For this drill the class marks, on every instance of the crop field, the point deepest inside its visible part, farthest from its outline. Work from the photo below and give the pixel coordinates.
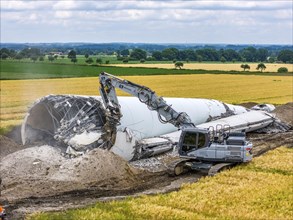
(270, 67)
(263, 189)
(17, 95)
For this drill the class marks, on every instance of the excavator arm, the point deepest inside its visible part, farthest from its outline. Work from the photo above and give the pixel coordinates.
(108, 85)
(166, 113)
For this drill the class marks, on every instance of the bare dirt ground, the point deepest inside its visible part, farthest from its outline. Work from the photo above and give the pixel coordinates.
(38, 178)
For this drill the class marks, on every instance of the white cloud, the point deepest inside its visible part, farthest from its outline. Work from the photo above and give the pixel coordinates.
(161, 18)
(63, 14)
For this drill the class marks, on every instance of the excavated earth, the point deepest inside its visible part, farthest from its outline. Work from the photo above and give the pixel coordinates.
(38, 178)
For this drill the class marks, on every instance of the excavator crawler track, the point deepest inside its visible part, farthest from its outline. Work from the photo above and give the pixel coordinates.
(219, 167)
(177, 167)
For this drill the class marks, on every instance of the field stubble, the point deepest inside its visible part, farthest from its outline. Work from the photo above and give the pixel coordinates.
(16, 95)
(270, 67)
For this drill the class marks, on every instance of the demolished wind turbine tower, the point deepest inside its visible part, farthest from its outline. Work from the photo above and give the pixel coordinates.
(76, 122)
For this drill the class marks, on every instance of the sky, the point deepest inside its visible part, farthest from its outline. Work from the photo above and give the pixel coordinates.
(210, 22)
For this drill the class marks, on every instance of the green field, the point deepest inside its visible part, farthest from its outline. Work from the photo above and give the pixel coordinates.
(39, 70)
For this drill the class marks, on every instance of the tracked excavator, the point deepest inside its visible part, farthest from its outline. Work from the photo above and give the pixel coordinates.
(206, 150)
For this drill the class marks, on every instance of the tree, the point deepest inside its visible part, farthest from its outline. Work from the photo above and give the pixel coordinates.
(230, 55)
(262, 54)
(208, 54)
(18, 56)
(199, 58)
(286, 56)
(234, 60)
(124, 53)
(56, 57)
(73, 60)
(62, 56)
(271, 59)
(190, 54)
(223, 59)
(107, 62)
(29, 52)
(249, 53)
(178, 65)
(170, 53)
(34, 58)
(71, 54)
(5, 52)
(174, 61)
(86, 55)
(50, 58)
(142, 60)
(245, 66)
(4, 56)
(89, 60)
(99, 61)
(157, 55)
(138, 54)
(125, 60)
(282, 70)
(41, 58)
(261, 66)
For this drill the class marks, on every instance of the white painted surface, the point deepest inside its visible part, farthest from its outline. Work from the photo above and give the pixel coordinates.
(138, 122)
(145, 123)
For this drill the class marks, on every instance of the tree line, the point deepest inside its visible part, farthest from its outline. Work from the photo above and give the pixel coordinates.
(248, 54)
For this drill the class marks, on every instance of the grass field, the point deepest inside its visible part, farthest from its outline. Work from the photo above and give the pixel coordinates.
(263, 189)
(17, 95)
(270, 67)
(29, 70)
(42, 70)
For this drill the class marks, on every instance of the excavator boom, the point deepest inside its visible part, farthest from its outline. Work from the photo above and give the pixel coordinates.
(166, 113)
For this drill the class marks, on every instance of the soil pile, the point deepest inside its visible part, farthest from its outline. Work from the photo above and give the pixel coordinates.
(42, 171)
(285, 113)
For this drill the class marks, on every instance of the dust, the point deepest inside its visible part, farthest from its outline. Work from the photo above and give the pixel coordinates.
(8, 146)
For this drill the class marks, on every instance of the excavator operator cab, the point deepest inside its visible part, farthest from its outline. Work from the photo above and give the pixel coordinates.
(192, 139)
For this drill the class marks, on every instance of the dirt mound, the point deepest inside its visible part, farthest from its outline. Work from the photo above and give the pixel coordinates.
(285, 113)
(42, 171)
(248, 104)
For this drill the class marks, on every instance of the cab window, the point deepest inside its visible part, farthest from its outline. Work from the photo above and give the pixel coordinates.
(189, 142)
(201, 140)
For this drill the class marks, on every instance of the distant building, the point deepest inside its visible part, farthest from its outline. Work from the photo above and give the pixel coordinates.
(56, 53)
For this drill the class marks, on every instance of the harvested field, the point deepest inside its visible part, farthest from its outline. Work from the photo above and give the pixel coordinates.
(271, 67)
(17, 95)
